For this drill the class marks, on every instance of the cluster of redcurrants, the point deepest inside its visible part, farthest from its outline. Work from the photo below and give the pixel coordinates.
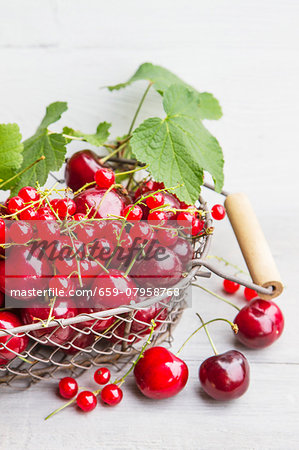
(231, 287)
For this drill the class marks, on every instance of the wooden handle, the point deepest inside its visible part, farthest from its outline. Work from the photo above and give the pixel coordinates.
(253, 244)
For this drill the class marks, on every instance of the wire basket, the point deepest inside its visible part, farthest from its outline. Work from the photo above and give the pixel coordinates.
(95, 344)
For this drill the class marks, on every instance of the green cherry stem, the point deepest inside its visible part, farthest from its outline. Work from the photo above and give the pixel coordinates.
(232, 325)
(217, 296)
(106, 158)
(208, 334)
(131, 171)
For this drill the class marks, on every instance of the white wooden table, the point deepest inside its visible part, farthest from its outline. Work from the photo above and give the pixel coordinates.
(246, 53)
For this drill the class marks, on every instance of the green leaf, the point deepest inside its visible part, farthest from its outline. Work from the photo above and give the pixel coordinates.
(42, 143)
(179, 148)
(99, 138)
(11, 150)
(162, 79)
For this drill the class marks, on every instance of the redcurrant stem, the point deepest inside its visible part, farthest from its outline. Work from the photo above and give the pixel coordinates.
(216, 295)
(22, 171)
(134, 259)
(208, 334)
(61, 408)
(148, 341)
(234, 327)
(139, 107)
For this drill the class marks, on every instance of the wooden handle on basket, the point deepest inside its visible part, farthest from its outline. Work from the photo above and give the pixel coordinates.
(253, 244)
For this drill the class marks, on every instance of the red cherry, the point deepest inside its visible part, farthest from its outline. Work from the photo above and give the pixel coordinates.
(99, 203)
(2, 231)
(184, 250)
(167, 237)
(24, 271)
(80, 343)
(155, 200)
(111, 394)
(132, 212)
(142, 230)
(230, 286)
(86, 401)
(102, 375)
(45, 213)
(61, 285)
(86, 232)
(63, 309)
(29, 194)
(250, 294)
(85, 306)
(159, 217)
(104, 178)
(15, 344)
(68, 387)
(20, 232)
(160, 374)
(147, 187)
(15, 204)
(218, 212)
(123, 289)
(161, 267)
(65, 207)
(260, 323)
(29, 214)
(225, 376)
(2, 299)
(81, 168)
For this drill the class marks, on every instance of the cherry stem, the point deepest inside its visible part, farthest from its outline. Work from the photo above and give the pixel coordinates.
(106, 158)
(208, 334)
(145, 345)
(131, 171)
(22, 171)
(234, 327)
(227, 263)
(217, 296)
(139, 107)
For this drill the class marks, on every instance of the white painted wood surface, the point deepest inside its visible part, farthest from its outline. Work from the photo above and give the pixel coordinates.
(246, 53)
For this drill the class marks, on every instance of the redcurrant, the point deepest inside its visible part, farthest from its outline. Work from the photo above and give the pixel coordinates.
(104, 178)
(29, 194)
(167, 237)
(86, 401)
(29, 214)
(158, 216)
(218, 212)
(102, 375)
(20, 232)
(68, 387)
(15, 204)
(2, 231)
(230, 286)
(155, 201)
(133, 212)
(65, 207)
(111, 394)
(250, 294)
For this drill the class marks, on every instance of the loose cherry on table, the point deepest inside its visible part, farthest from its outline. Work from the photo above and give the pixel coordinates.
(86, 401)
(260, 323)
(111, 394)
(160, 374)
(225, 376)
(68, 387)
(102, 375)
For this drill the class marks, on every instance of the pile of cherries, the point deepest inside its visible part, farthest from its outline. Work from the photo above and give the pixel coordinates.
(95, 210)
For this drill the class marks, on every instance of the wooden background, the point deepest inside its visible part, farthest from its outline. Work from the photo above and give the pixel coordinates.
(246, 53)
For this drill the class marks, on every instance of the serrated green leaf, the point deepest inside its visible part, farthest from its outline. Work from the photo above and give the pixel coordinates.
(179, 148)
(42, 143)
(162, 79)
(11, 150)
(99, 138)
